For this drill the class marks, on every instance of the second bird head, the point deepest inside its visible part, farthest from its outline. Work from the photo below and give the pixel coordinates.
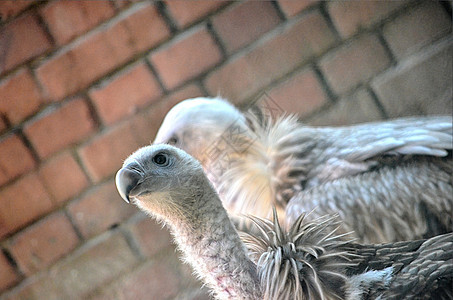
(161, 180)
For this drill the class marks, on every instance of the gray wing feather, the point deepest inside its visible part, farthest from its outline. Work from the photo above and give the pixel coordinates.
(421, 269)
(357, 148)
(388, 204)
(416, 136)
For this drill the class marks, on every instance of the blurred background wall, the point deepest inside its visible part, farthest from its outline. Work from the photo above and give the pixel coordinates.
(85, 83)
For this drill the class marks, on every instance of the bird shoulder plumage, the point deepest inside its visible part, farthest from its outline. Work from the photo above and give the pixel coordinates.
(371, 186)
(318, 154)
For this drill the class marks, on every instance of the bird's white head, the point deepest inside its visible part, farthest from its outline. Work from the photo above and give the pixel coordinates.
(194, 123)
(159, 179)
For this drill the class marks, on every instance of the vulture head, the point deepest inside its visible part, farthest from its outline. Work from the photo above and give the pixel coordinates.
(240, 156)
(194, 124)
(159, 178)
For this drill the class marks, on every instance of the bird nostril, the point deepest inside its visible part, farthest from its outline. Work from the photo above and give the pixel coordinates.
(126, 179)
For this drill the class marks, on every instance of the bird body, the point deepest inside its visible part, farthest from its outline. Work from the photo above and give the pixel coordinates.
(308, 261)
(399, 171)
(410, 201)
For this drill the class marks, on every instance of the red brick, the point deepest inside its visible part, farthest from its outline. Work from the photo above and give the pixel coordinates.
(187, 12)
(146, 26)
(120, 4)
(301, 94)
(3, 126)
(88, 268)
(15, 158)
(19, 96)
(354, 63)
(292, 8)
(417, 28)
(7, 274)
(99, 209)
(22, 202)
(125, 94)
(68, 19)
(63, 177)
(146, 124)
(247, 74)
(60, 128)
(10, 8)
(76, 67)
(152, 280)
(43, 243)
(351, 109)
(21, 40)
(244, 23)
(151, 237)
(350, 17)
(420, 85)
(86, 61)
(104, 154)
(186, 58)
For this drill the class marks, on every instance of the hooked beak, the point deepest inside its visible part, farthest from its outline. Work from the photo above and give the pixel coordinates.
(126, 179)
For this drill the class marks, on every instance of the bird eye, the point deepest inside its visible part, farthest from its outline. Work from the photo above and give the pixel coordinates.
(160, 159)
(172, 141)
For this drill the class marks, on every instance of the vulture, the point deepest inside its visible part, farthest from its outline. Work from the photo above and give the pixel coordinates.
(308, 261)
(388, 181)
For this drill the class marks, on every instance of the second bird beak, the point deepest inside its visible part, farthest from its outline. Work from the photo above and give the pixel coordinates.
(126, 179)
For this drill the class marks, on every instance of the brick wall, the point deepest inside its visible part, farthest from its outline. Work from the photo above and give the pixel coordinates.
(85, 83)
